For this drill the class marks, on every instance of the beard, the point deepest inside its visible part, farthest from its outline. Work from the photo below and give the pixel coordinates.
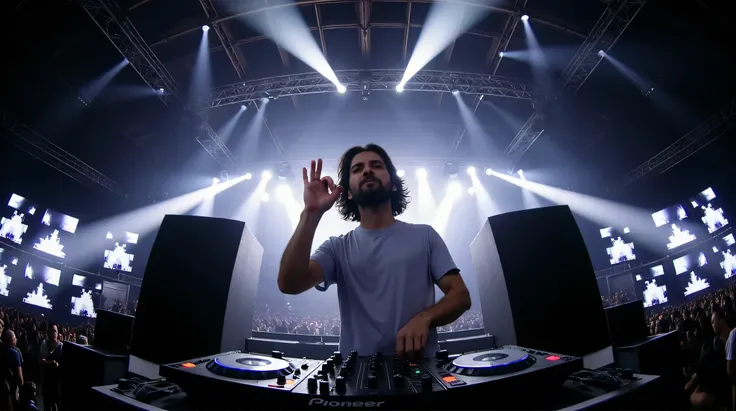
(371, 197)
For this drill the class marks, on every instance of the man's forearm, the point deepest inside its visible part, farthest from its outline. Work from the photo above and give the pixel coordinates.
(295, 261)
(448, 309)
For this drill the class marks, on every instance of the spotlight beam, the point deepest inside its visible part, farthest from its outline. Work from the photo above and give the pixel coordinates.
(236, 58)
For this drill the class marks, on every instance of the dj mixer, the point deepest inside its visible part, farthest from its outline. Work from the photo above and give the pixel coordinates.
(481, 379)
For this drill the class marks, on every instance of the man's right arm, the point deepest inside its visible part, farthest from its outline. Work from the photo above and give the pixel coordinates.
(297, 273)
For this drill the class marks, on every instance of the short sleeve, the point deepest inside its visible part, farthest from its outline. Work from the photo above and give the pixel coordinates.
(731, 345)
(441, 261)
(326, 257)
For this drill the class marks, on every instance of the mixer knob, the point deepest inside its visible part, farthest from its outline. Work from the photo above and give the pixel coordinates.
(325, 376)
(324, 387)
(344, 370)
(305, 366)
(372, 381)
(281, 380)
(312, 384)
(277, 354)
(426, 382)
(330, 364)
(379, 355)
(441, 355)
(338, 356)
(297, 371)
(340, 384)
(354, 353)
(325, 368)
(399, 381)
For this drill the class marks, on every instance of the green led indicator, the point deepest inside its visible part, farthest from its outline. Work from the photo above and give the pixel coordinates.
(417, 372)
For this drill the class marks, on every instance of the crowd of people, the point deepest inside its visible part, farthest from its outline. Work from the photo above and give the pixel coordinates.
(298, 322)
(618, 297)
(30, 359)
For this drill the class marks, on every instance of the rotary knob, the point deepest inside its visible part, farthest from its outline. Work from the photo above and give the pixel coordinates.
(324, 387)
(297, 371)
(340, 384)
(398, 381)
(441, 355)
(305, 366)
(325, 376)
(281, 380)
(372, 381)
(426, 383)
(344, 370)
(277, 354)
(338, 356)
(312, 384)
(325, 368)
(330, 364)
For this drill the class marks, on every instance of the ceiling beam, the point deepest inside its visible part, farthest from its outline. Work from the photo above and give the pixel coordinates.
(535, 18)
(501, 44)
(233, 54)
(364, 20)
(318, 15)
(406, 29)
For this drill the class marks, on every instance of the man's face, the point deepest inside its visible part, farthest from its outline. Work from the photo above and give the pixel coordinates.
(370, 182)
(716, 323)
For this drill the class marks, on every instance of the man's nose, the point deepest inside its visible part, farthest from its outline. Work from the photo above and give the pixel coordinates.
(367, 172)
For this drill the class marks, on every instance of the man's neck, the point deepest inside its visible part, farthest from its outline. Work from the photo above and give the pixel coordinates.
(725, 333)
(377, 218)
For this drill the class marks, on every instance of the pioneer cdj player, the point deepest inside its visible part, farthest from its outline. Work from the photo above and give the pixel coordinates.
(482, 379)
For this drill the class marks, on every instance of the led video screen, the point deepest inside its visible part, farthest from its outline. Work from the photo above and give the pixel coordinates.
(669, 215)
(710, 214)
(619, 251)
(40, 294)
(119, 253)
(691, 274)
(725, 253)
(22, 204)
(679, 236)
(8, 262)
(87, 282)
(13, 227)
(689, 262)
(50, 243)
(59, 221)
(84, 303)
(652, 292)
(46, 274)
(5, 281)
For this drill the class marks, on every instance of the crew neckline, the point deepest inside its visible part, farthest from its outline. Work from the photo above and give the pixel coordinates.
(379, 231)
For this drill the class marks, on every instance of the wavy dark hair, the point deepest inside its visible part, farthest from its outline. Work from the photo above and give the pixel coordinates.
(347, 207)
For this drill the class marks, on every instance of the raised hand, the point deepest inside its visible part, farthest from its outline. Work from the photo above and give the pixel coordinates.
(320, 193)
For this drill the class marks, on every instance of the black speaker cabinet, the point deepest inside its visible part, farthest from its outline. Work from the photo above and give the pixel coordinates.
(536, 282)
(113, 331)
(627, 323)
(84, 367)
(198, 291)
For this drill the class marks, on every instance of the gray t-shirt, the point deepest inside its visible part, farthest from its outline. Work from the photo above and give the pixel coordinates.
(384, 278)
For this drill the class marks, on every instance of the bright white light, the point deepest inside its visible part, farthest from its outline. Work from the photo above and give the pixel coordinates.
(243, 107)
(215, 181)
(266, 176)
(489, 171)
(283, 193)
(205, 28)
(500, 54)
(601, 53)
(454, 189)
(400, 173)
(264, 100)
(525, 18)
(455, 92)
(248, 176)
(471, 190)
(421, 173)
(341, 89)
(161, 90)
(265, 197)
(400, 88)
(471, 170)
(521, 173)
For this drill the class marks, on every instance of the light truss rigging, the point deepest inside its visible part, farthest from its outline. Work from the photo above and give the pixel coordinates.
(375, 80)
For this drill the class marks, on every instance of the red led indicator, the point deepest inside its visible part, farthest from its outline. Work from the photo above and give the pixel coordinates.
(188, 365)
(552, 358)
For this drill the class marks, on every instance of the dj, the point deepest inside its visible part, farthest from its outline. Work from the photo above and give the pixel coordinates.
(385, 270)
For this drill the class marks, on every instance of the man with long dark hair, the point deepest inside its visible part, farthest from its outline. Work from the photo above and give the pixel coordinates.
(385, 270)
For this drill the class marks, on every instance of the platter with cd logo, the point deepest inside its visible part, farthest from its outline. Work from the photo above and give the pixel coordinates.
(250, 366)
(492, 362)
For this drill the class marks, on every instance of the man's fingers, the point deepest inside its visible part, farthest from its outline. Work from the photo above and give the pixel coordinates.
(409, 346)
(418, 345)
(312, 169)
(330, 183)
(400, 345)
(318, 173)
(304, 176)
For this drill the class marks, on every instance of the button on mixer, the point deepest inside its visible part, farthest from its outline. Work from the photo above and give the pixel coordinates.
(277, 354)
(398, 381)
(338, 356)
(281, 380)
(324, 387)
(441, 355)
(340, 384)
(426, 383)
(305, 366)
(372, 381)
(312, 384)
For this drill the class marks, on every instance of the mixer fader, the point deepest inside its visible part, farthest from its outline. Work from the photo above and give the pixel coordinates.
(369, 375)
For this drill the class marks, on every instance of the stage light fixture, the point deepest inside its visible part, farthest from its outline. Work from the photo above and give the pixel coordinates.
(451, 169)
(489, 171)
(455, 92)
(248, 176)
(601, 53)
(521, 173)
(471, 190)
(266, 175)
(215, 181)
(285, 172)
(471, 170)
(400, 173)
(500, 54)
(525, 18)
(205, 28)
(161, 90)
(421, 173)
(265, 197)
(400, 88)
(224, 175)
(341, 89)
(454, 189)
(243, 107)
(264, 100)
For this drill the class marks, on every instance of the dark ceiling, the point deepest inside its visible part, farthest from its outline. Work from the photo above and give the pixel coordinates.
(609, 127)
